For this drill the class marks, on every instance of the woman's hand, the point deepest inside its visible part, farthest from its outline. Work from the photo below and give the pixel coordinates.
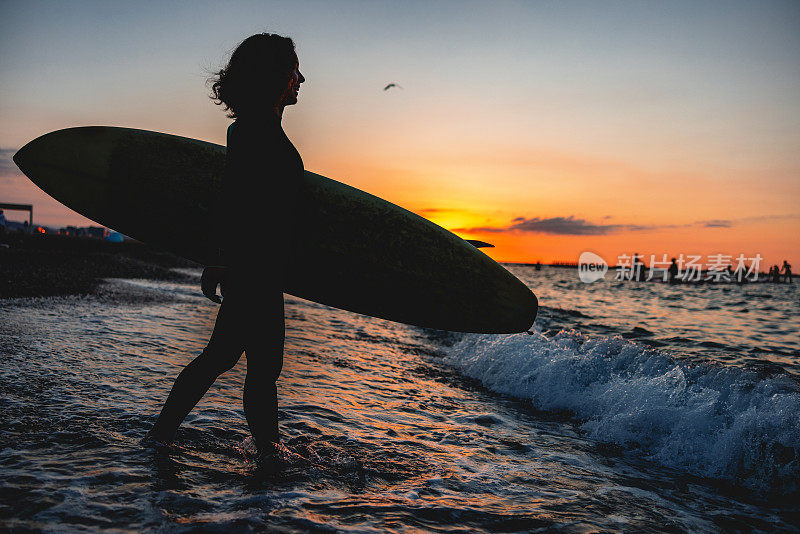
(213, 276)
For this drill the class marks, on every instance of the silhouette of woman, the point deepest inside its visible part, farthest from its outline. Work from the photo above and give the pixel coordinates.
(261, 78)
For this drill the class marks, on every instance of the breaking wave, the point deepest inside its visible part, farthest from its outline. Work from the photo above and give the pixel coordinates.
(709, 420)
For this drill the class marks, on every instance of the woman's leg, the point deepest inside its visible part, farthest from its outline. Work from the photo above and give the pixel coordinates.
(221, 354)
(264, 350)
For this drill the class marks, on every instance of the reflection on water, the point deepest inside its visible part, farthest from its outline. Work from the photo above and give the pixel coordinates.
(752, 324)
(386, 427)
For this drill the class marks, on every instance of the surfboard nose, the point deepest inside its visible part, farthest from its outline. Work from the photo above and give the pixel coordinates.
(23, 156)
(34, 155)
(54, 158)
(37, 152)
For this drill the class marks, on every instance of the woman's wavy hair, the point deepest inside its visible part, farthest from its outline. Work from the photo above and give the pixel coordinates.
(256, 75)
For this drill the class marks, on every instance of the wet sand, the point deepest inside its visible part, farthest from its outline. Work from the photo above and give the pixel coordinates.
(50, 265)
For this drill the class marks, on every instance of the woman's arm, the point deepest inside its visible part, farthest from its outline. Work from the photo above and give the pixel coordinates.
(213, 276)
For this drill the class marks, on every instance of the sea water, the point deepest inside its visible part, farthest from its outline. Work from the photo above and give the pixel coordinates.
(631, 407)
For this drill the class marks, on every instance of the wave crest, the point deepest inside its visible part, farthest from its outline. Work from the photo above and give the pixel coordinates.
(714, 421)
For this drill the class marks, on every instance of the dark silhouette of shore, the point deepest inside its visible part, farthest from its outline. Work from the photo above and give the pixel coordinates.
(37, 265)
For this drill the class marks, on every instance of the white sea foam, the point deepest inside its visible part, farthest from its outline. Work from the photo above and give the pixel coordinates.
(716, 421)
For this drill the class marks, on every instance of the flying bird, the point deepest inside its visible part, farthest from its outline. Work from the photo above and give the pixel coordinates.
(390, 86)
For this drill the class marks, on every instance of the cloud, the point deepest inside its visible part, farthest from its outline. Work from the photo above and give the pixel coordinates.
(716, 223)
(727, 223)
(759, 218)
(571, 225)
(563, 226)
(559, 226)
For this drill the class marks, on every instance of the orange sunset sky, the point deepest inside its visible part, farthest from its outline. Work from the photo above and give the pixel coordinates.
(545, 128)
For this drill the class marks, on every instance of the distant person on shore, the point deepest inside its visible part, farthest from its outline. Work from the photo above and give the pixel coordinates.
(263, 172)
(774, 274)
(2, 223)
(673, 272)
(787, 272)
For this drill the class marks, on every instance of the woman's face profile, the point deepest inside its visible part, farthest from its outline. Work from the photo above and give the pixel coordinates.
(292, 86)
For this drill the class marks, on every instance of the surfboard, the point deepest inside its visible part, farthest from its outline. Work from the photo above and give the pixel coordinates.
(352, 250)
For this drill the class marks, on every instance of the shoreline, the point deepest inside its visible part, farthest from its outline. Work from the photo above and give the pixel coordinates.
(53, 265)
